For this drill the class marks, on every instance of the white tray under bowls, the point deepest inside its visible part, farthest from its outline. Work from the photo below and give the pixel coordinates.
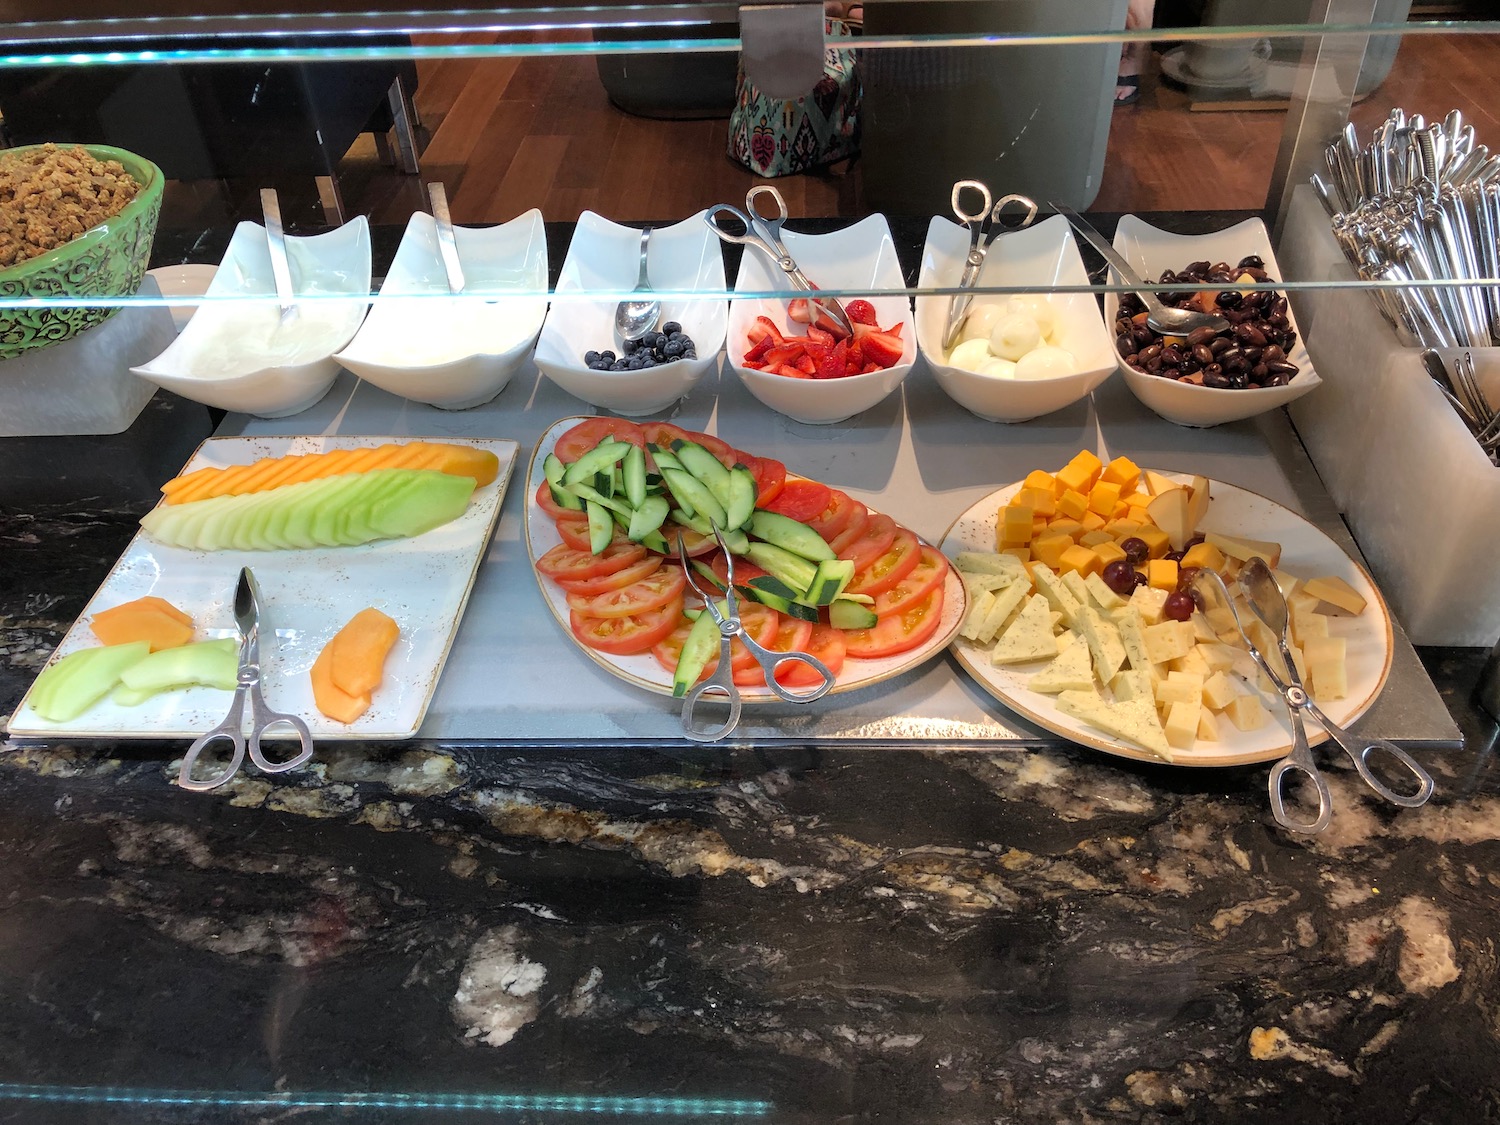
(306, 597)
(1151, 252)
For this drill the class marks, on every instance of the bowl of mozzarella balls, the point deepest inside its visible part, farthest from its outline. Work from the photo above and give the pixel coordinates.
(1022, 352)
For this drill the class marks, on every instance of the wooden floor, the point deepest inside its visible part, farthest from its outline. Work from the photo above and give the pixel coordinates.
(508, 134)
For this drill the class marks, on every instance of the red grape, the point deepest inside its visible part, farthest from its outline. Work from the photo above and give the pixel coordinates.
(1179, 606)
(1136, 551)
(1119, 576)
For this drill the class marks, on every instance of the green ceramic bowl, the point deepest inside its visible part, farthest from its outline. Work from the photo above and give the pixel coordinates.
(108, 260)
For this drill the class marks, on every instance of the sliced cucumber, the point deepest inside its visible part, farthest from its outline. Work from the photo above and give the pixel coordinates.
(705, 466)
(698, 648)
(633, 476)
(664, 458)
(703, 570)
(691, 492)
(601, 526)
(600, 459)
(790, 535)
(773, 592)
(594, 496)
(845, 613)
(829, 582)
(739, 505)
(553, 469)
(649, 515)
(792, 569)
(656, 541)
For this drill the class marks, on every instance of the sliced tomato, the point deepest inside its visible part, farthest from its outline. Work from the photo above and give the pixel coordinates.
(930, 571)
(545, 502)
(801, 500)
(662, 433)
(617, 580)
(590, 432)
(668, 650)
(835, 517)
(889, 568)
(859, 519)
(626, 636)
(828, 645)
(900, 631)
(761, 622)
(664, 584)
(744, 569)
(563, 563)
(792, 636)
(574, 529)
(872, 542)
(694, 542)
(770, 479)
(726, 453)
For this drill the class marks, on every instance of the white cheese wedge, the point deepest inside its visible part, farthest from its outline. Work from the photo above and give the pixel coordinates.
(1104, 642)
(1181, 727)
(980, 605)
(1104, 597)
(1058, 595)
(1006, 602)
(1132, 637)
(1029, 637)
(988, 562)
(1075, 585)
(1073, 670)
(1135, 721)
(1150, 602)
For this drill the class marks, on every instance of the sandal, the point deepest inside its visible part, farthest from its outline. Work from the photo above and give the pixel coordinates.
(1127, 89)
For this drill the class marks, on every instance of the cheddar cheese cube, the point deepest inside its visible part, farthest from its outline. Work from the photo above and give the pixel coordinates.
(1080, 473)
(1108, 550)
(1073, 504)
(1094, 538)
(1040, 478)
(1081, 560)
(1049, 548)
(1064, 525)
(1157, 541)
(1092, 521)
(1161, 574)
(1103, 497)
(1123, 472)
(1204, 554)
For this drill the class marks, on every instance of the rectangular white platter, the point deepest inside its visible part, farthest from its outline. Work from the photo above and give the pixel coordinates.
(306, 597)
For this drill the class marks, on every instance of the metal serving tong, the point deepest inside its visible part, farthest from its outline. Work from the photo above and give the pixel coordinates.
(721, 684)
(985, 225)
(232, 729)
(1266, 602)
(765, 235)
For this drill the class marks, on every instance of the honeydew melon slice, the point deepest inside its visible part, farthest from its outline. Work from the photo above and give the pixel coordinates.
(69, 687)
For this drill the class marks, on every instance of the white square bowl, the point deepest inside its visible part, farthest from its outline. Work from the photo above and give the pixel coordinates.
(240, 354)
(860, 258)
(1037, 259)
(455, 352)
(1151, 252)
(686, 268)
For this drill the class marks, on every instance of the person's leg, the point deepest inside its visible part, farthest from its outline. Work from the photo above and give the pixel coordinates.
(1128, 86)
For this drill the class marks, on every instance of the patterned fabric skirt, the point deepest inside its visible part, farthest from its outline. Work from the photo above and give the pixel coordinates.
(772, 137)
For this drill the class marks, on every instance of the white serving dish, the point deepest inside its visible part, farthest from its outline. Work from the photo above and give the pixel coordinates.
(307, 596)
(1037, 259)
(240, 354)
(455, 352)
(1152, 251)
(1306, 552)
(191, 280)
(858, 258)
(643, 670)
(686, 268)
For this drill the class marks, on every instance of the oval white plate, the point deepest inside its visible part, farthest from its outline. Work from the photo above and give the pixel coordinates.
(1305, 552)
(643, 671)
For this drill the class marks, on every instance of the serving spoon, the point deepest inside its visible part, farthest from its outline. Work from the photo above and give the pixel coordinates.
(1160, 317)
(636, 316)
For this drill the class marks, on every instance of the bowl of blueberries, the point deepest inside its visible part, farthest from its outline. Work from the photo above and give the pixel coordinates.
(579, 349)
(1209, 378)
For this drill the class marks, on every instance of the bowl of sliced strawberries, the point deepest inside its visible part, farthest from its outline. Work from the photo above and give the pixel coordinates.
(801, 363)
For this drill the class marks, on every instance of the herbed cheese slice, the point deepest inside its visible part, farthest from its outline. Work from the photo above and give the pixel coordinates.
(1060, 597)
(1132, 637)
(1073, 670)
(1103, 596)
(1005, 604)
(976, 584)
(1073, 581)
(1029, 636)
(988, 562)
(1104, 643)
(1135, 721)
(980, 604)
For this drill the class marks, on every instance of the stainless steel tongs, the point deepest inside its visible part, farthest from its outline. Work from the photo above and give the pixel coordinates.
(721, 683)
(985, 225)
(1266, 602)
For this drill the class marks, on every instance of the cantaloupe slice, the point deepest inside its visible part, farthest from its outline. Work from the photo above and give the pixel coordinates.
(359, 650)
(151, 619)
(338, 705)
(273, 472)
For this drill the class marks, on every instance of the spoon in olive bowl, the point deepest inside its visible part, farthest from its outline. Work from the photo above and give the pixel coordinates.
(639, 313)
(1160, 317)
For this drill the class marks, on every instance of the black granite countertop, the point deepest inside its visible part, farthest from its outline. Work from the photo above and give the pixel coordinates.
(471, 933)
(457, 932)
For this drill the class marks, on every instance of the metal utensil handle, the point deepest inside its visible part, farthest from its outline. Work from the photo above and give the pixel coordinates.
(720, 684)
(447, 240)
(1300, 760)
(1360, 751)
(1108, 253)
(281, 269)
(751, 237)
(233, 729)
(771, 662)
(262, 719)
(997, 224)
(643, 278)
(974, 220)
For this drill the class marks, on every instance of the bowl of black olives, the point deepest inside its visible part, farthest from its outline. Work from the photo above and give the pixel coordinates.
(1208, 377)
